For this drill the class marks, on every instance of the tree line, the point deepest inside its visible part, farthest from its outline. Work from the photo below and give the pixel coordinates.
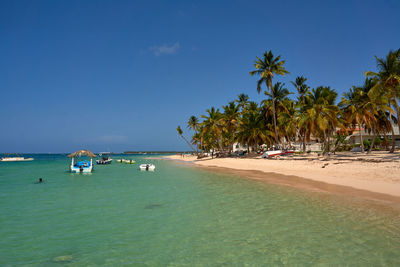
(280, 120)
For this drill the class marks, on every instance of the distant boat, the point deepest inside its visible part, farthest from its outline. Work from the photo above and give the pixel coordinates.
(83, 166)
(104, 160)
(9, 159)
(127, 161)
(147, 167)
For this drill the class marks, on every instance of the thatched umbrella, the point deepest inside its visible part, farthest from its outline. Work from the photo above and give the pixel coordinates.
(80, 153)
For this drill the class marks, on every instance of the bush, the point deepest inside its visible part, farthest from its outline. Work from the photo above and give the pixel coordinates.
(367, 143)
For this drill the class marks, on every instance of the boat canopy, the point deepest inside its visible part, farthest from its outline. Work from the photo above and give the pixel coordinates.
(80, 153)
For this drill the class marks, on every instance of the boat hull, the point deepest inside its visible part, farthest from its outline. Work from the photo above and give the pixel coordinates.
(75, 169)
(274, 153)
(15, 159)
(147, 167)
(103, 162)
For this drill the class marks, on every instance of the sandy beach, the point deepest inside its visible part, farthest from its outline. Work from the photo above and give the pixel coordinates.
(377, 172)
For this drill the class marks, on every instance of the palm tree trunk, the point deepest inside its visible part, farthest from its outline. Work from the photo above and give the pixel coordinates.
(329, 143)
(274, 115)
(324, 150)
(233, 143)
(361, 138)
(393, 138)
(189, 144)
(304, 142)
(197, 144)
(398, 116)
(386, 143)
(289, 143)
(373, 141)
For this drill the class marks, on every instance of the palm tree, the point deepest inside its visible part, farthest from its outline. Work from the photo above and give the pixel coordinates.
(382, 125)
(252, 132)
(212, 125)
(287, 120)
(180, 132)
(267, 68)
(275, 99)
(388, 83)
(242, 100)
(193, 124)
(389, 70)
(301, 87)
(230, 120)
(363, 108)
(251, 107)
(321, 115)
(302, 90)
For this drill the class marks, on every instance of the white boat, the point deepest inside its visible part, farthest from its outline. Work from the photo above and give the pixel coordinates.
(104, 160)
(8, 159)
(273, 153)
(147, 167)
(83, 166)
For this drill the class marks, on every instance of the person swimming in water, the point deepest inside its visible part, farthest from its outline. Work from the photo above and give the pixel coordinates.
(40, 181)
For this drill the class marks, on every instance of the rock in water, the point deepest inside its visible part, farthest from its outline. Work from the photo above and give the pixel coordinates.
(64, 258)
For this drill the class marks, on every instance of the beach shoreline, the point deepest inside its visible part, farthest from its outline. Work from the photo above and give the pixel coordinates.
(376, 177)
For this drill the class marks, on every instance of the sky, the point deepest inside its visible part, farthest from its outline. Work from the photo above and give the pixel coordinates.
(122, 75)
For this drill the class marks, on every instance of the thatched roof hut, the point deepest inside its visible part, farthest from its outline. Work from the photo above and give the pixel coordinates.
(81, 153)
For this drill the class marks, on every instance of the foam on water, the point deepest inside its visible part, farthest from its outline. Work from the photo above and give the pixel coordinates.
(179, 215)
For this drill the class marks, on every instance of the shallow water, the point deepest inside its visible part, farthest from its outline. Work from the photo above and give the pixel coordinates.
(179, 215)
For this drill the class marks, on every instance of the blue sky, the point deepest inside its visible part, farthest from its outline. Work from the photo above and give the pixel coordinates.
(121, 75)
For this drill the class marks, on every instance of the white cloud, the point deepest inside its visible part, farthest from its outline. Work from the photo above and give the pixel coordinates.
(165, 49)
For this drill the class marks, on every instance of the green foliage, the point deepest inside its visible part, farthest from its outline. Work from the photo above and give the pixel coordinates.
(179, 130)
(366, 143)
(313, 114)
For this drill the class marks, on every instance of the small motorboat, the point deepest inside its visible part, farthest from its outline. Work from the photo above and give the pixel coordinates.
(104, 160)
(147, 167)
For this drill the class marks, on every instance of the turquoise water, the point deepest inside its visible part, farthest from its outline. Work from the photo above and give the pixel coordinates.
(180, 216)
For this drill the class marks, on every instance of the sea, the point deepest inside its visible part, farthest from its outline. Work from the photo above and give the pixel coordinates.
(181, 215)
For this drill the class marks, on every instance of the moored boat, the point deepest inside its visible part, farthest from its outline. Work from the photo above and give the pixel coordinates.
(104, 160)
(147, 167)
(82, 166)
(273, 153)
(10, 159)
